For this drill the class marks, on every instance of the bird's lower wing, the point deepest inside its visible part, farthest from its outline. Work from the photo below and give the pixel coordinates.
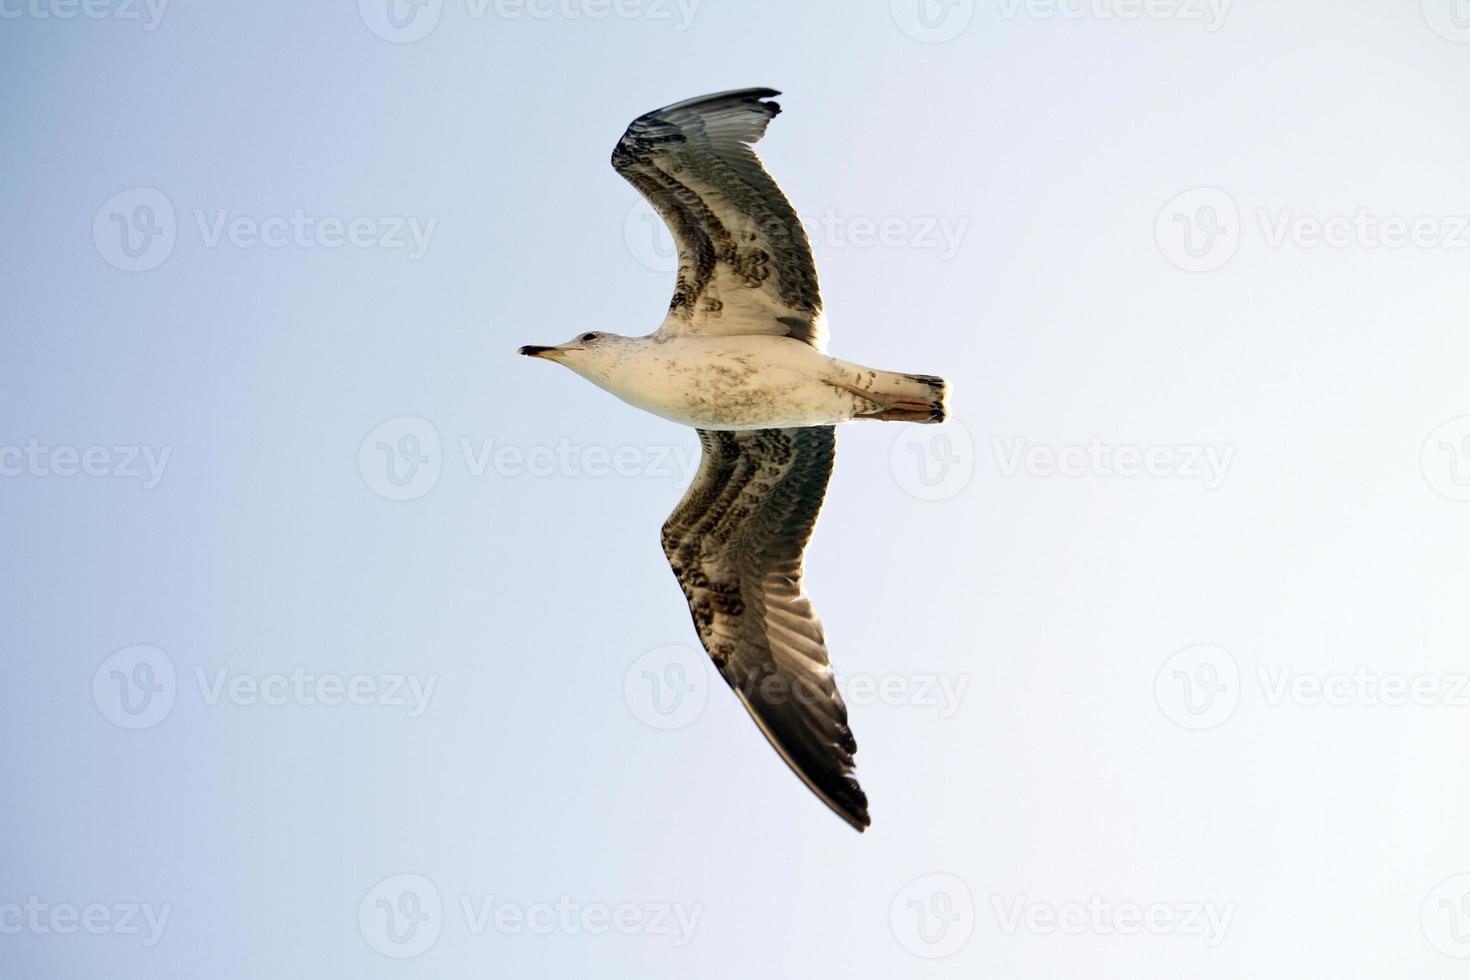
(735, 543)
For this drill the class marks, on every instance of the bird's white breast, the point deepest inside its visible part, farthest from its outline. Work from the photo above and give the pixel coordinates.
(745, 382)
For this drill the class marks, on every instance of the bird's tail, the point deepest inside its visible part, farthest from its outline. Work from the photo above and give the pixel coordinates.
(907, 398)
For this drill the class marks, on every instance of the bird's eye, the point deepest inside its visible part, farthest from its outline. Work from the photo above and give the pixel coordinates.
(588, 338)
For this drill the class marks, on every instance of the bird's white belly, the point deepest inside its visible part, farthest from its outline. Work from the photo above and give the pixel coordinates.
(736, 383)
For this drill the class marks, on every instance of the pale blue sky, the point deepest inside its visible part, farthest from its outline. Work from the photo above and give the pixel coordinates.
(1192, 446)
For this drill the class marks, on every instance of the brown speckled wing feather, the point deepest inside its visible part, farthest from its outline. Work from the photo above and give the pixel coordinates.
(735, 543)
(745, 266)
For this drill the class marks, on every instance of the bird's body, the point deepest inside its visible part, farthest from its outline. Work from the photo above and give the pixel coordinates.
(761, 382)
(742, 357)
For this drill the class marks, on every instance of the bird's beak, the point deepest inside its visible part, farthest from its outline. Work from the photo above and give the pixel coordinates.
(549, 353)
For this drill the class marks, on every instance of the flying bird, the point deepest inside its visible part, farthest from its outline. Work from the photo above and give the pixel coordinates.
(742, 357)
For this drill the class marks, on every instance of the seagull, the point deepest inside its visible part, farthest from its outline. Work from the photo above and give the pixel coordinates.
(742, 357)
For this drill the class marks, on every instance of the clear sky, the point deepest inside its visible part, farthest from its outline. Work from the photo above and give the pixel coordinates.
(337, 639)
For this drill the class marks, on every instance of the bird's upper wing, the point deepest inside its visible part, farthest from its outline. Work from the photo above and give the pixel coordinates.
(735, 544)
(745, 266)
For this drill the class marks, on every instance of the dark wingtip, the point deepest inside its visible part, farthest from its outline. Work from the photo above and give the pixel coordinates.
(855, 811)
(761, 94)
(751, 95)
(847, 799)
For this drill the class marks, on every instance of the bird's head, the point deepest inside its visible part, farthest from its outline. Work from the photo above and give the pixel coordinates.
(591, 354)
